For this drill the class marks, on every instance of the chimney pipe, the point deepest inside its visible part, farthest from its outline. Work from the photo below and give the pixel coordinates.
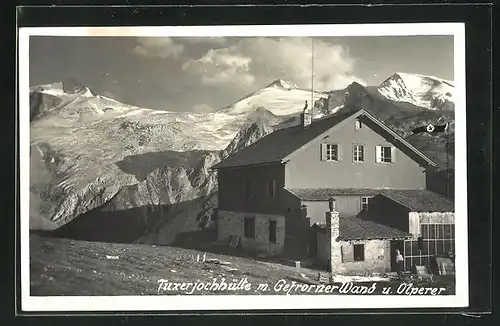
(305, 117)
(333, 231)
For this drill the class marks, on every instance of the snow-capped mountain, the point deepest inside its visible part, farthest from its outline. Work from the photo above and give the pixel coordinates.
(280, 97)
(426, 91)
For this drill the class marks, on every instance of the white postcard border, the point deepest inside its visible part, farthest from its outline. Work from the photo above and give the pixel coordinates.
(250, 302)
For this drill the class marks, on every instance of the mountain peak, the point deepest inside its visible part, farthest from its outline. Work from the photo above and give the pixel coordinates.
(421, 90)
(72, 86)
(280, 83)
(66, 87)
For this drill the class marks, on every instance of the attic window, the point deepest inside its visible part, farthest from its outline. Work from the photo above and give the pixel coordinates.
(364, 203)
(358, 124)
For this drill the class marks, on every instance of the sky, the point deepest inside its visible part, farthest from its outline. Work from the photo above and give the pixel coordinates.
(202, 74)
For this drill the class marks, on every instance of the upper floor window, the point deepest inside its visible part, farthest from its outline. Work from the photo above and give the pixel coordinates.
(358, 152)
(330, 152)
(385, 154)
(272, 188)
(248, 189)
(358, 124)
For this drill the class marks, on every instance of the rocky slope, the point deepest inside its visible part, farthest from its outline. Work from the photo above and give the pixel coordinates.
(92, 154)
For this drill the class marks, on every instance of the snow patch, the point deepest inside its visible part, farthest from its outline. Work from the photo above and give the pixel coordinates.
(278, 101)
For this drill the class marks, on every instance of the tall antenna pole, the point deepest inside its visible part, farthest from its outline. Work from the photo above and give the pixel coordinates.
(312, 76)
(447, 161)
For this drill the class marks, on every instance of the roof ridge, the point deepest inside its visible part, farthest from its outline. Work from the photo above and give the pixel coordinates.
(282, 144)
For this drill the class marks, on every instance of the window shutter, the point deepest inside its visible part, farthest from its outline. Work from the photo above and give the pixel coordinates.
(323, 152)
(347, 253)
(353, 152)
(378, 154)
(339, 152)
(393, 154)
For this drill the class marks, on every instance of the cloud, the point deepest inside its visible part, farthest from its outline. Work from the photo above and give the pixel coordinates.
(214, 40)
(201, 108)
(161, 47)
(256, 61)
(221, 66)
(333, 65)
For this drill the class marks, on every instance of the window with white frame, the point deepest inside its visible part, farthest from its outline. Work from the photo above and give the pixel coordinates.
(385, 154)
(358, 152)
(358, 124)
(332, 152)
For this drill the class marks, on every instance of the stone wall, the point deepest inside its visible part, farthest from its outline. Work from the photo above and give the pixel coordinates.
(417, 218)
(377, 258)
(232, 223)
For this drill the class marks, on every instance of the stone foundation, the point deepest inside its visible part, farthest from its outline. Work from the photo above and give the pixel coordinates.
(232, 223)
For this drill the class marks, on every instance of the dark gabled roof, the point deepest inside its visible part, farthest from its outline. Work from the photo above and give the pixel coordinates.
(323, 194)
(278, 145)
(419, 200)
(355, 228)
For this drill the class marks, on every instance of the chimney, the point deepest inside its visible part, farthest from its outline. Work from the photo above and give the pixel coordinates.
(332, 222)
(332, 219)
(332, 226)
(306, 116)
(303, 210)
